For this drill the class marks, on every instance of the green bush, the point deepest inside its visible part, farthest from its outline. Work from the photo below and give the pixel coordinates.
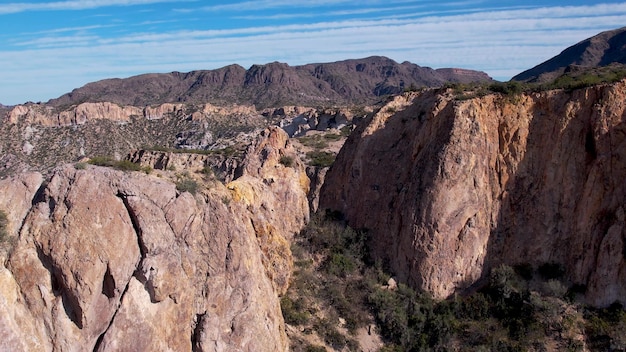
(294, 312)
(124, 165)
(332, 137)
(287, 161)
(321, 159)
(315, 141)
(187, 185)
(312, 348)
(509, 88)
(3, 226)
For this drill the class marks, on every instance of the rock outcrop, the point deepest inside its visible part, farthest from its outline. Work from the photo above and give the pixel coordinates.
(450, 188)
(105, 260)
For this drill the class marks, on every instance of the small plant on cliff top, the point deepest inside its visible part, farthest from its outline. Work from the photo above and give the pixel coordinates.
(124, 165)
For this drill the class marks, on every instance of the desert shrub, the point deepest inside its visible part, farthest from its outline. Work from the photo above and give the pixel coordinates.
(503, 281)
(332, 137)
(3, 226)
(554, 288)
(327, 330)
(80, 166)
(508, 88)
(315, 141)
(287, 161)
(124, 165)
(340, 265)
(187, 185)
(605, 328)
(312, 348)
(294, 312)
(346, 130)
(321, 159)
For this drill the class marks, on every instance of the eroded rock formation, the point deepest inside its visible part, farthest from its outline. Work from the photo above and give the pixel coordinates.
(105, 260)
(450, 188)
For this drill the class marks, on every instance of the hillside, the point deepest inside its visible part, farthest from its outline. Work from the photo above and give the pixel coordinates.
(600, 50)
(361, 81)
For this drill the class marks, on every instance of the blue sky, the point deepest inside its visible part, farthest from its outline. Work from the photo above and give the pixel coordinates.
(50, 47)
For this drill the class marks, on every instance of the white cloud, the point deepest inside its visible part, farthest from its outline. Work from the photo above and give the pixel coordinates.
(74, 5)
(502, 43)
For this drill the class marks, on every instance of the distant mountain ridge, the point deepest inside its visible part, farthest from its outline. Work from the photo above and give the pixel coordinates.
(274, 84)
(603, 49)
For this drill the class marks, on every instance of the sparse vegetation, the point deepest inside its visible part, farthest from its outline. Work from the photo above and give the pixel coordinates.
(124, 165)
(186, 184)
(315, 141)
(337, 285)
(226, 151)
(320, 158)
(3, 227)
(512, 89)
(287, 161)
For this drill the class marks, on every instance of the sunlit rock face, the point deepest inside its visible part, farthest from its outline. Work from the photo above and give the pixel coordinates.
(105, 260)
(451, 187)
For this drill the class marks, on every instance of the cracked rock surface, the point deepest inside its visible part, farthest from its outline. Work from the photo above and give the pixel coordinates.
(450, 188)
(104, 260)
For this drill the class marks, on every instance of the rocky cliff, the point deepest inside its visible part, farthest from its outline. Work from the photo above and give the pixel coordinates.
(105, 260)
(452, 187)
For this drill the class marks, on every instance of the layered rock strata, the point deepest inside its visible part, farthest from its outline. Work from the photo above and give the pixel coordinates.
(451, 187)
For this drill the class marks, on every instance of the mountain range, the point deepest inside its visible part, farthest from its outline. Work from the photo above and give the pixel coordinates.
(603, 49)
(359, 81)
(500, 204)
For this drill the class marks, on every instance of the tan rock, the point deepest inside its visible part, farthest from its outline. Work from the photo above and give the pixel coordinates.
(451, 188)
(114, 261)
(161, 111)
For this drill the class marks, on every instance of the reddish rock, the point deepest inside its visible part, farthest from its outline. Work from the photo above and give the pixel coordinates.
(451, 188)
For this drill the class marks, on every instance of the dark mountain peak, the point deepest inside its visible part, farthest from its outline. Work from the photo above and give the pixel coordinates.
(600, 50)
(273, 84)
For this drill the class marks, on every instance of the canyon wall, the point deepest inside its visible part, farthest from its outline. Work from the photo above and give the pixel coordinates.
(104, 260)
(450, 186)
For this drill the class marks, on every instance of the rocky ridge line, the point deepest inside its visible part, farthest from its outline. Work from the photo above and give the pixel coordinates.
(342, 83)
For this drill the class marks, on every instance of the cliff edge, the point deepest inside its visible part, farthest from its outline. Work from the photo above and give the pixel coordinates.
(104, 260)
(450, 188)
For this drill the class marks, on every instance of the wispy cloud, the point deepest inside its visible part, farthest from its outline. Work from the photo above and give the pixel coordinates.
(274, 4)
(502, 42)
(75, 5)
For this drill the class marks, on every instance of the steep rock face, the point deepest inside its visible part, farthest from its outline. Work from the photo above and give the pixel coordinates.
(111, 261)
(225, 168)
(450, 189)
